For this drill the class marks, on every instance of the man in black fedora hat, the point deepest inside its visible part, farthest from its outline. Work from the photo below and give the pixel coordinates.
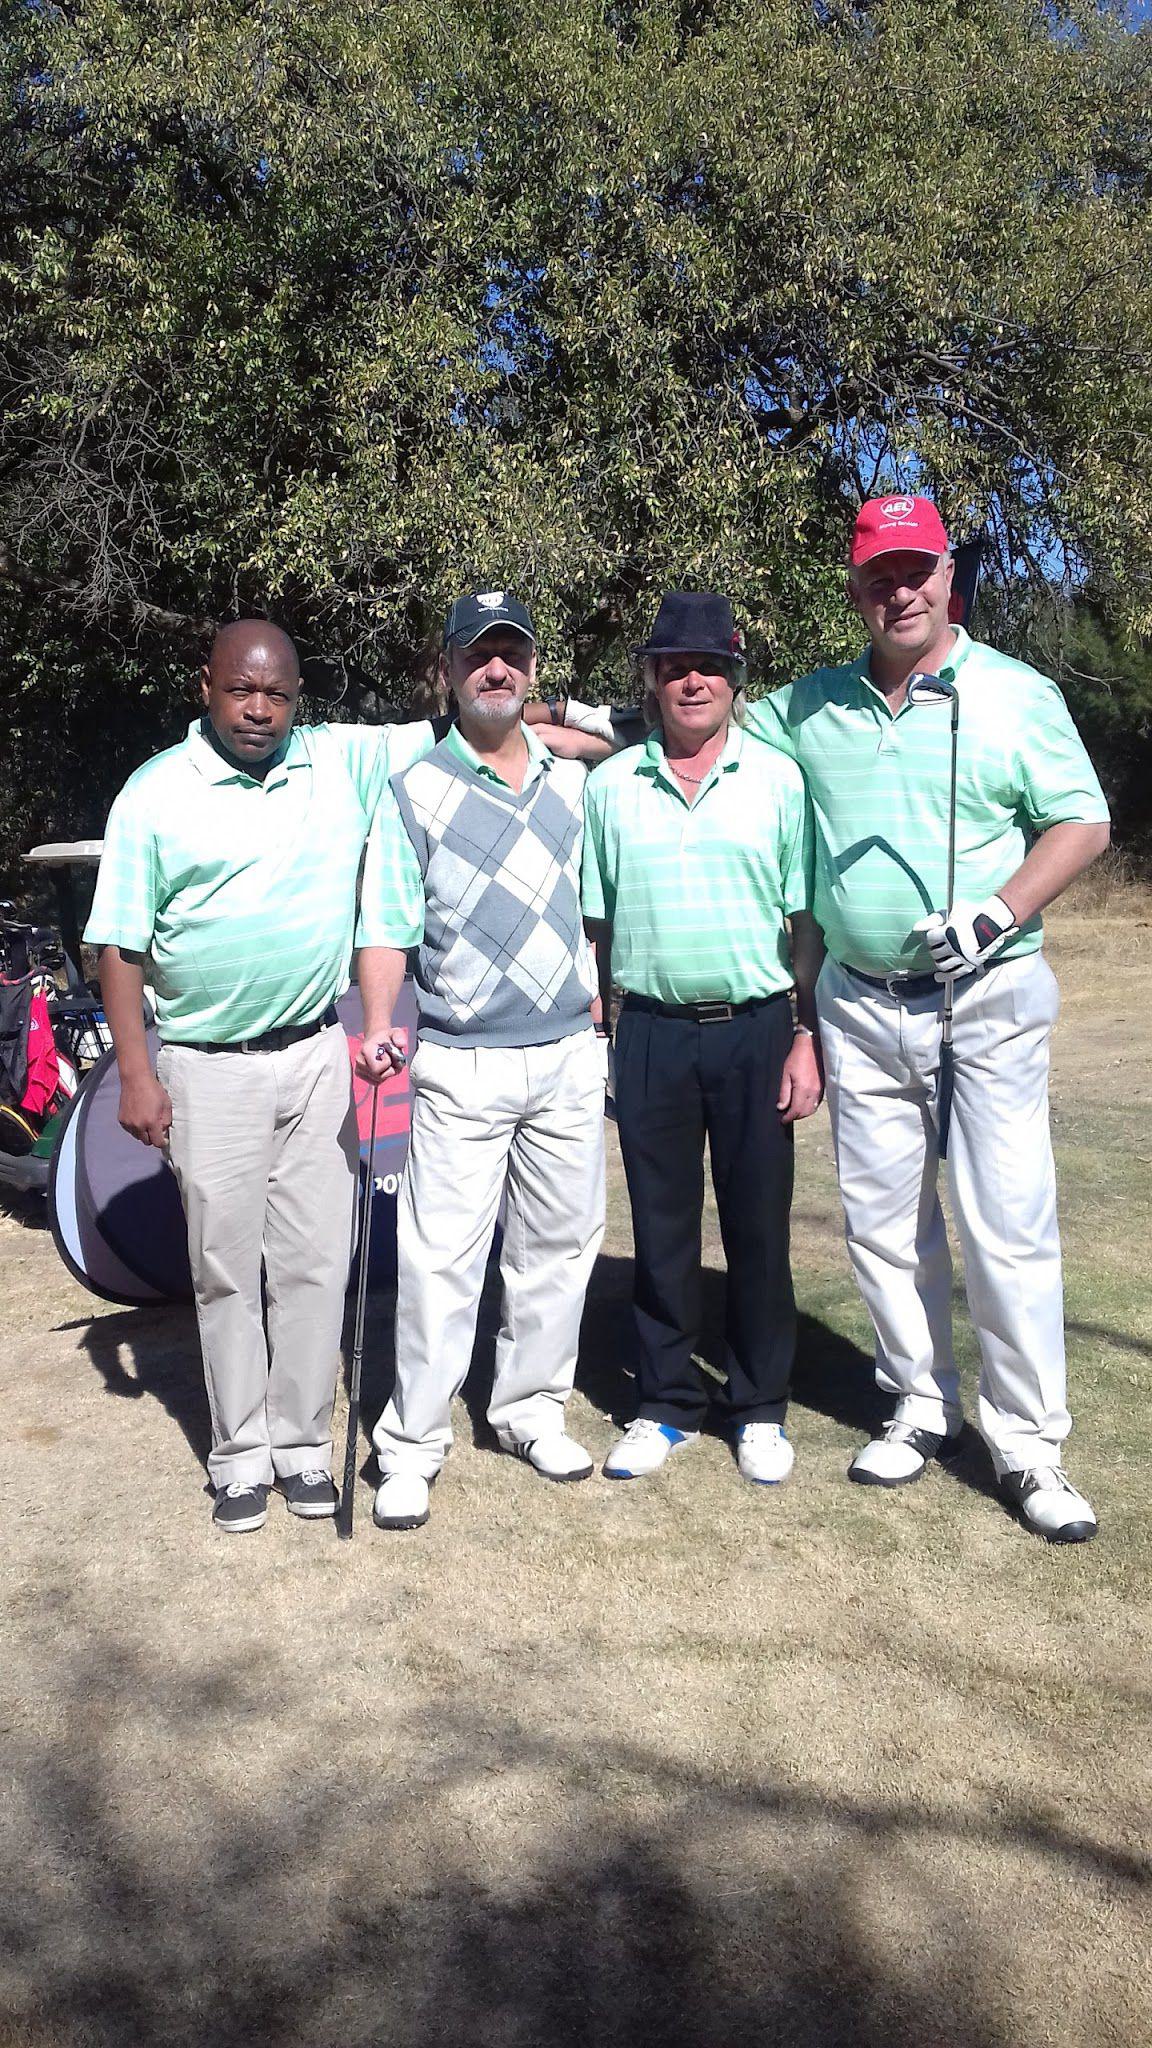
(697, 855)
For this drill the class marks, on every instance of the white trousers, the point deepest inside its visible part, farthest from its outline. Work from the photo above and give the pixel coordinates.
(528, 1122)
(882, 1057)
(265, 1152)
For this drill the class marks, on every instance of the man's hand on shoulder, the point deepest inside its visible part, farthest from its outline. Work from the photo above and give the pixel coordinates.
(146, 1110)
(802, 1082)
(961, 939)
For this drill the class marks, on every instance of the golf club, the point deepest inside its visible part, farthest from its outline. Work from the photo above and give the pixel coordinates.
(344, 1513)
(928, 689)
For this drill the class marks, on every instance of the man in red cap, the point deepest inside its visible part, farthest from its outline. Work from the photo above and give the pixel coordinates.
(1029, 815)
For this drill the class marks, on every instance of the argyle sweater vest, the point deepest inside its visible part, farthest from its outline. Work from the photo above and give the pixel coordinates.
(504, 960)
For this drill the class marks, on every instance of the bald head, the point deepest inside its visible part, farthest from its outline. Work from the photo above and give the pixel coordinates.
(250, 685)
(244, 638)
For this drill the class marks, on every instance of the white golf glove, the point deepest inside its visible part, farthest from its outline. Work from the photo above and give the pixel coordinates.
(961, 939)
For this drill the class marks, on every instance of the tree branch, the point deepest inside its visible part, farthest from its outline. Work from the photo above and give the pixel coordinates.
(74, 595)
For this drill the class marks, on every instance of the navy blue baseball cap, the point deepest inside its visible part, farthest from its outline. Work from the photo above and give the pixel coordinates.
(471, 616)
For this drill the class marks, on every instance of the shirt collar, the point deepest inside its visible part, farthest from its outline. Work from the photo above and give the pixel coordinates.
(961, 648)
(205, 756)
(539, 758)
(653, 760)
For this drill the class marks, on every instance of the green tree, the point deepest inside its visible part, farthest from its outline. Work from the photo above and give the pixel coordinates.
(332, 311)
(1106, 677)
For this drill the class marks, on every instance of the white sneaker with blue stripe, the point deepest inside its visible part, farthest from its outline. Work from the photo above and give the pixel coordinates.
(644, 1447)
(763, 1453)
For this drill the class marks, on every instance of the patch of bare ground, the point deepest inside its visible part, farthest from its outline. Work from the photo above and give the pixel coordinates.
(678, 1763)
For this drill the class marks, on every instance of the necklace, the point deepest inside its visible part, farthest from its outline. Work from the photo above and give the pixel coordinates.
(682, 774)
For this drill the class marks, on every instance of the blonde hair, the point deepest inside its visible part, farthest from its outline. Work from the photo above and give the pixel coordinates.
(736, 672)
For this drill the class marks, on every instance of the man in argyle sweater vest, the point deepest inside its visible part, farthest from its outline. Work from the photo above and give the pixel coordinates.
(475, 862)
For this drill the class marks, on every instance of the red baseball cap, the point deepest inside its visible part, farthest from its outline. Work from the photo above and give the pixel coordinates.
(886, 525)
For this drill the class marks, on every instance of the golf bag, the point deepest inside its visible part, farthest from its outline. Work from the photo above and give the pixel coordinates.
(30, 1077)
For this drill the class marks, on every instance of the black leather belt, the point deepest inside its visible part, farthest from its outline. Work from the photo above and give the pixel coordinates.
(703, 1013)
(899, 985)
(896, 984)
(271, 1041)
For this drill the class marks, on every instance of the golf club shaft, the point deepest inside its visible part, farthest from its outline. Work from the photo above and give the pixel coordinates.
(347, 1491)
(944, 1094)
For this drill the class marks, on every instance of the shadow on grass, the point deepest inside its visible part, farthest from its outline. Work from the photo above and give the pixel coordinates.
(23, 1207)
(691, 1907)
(155, 1351)
(1122, 1339)
(833, 1376)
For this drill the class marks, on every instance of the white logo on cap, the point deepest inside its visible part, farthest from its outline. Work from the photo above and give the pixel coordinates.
(898, 508)
(490, 600)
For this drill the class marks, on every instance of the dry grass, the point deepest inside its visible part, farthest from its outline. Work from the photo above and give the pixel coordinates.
(1116, 885)
(684, 1763)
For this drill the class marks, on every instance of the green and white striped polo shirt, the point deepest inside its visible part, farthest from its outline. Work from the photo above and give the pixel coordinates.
(697, 894)
(879, 788)
(243, 891)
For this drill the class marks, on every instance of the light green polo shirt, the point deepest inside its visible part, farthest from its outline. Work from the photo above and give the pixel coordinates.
(243, 891)
(392, 900)
(697, 894)
(879, 789)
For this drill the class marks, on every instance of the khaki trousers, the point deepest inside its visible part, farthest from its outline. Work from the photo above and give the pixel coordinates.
(882, 1058)
(526, 1123)
(265, 1152)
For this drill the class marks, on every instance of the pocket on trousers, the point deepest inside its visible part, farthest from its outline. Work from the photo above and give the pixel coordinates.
(1034, 993)
(600, 1048)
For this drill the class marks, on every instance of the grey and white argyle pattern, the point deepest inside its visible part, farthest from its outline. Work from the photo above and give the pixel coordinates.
(504, 960)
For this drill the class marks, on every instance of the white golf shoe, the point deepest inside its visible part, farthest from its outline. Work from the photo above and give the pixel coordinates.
(1050, 1504)
(401, 1502)
(643, 1448)
(554, 1455)
(763, 1453)
(898, 1455)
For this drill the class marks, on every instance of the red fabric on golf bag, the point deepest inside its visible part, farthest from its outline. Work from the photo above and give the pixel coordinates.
(43, 1084)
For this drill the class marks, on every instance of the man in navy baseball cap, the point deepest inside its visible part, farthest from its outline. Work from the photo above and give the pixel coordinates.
(472, 616)
(476, 865)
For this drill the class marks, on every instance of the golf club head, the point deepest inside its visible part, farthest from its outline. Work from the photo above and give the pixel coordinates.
(929, 689)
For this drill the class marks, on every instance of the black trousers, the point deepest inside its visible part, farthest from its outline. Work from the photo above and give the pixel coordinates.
(678, 1082)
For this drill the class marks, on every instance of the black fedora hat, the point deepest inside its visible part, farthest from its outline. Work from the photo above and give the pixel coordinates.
(695, 622)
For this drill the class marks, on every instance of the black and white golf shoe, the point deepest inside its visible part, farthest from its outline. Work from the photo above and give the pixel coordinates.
(899, 1454)
(1046, 1500)
(239, 1508)
(310, 1494)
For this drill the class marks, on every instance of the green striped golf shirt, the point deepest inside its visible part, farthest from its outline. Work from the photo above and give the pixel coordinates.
(697, 894)
(243, 891)
(879, 788)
